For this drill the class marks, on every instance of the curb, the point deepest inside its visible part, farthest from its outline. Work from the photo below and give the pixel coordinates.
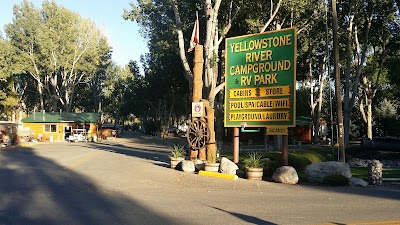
(218, 175)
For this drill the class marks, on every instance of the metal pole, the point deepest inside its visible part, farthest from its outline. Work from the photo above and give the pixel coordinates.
(236, 145)
(285, 157)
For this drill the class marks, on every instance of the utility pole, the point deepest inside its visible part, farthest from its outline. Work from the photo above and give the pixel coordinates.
(337, 83)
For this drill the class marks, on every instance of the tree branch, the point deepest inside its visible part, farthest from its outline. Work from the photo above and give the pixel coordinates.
(182, 53)
(272, 17)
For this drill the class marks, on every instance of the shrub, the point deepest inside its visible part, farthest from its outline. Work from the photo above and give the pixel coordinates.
(270, 167)
(299, 162)
(254, 160)
(336, 180)
(177, 151)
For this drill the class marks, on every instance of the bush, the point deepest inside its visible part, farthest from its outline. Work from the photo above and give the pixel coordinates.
(299, 162)
(336, 180)
(254, 160)
(270, 167)
(177, 151)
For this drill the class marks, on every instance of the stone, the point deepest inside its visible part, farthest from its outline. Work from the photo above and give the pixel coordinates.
(356, 162)
(188, 166)
(285, 175)
(358, 182)
(199, 164)
(227, 166)
(316, 172)
(375, 172)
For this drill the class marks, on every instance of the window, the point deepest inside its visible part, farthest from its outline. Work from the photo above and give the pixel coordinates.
(50, 128)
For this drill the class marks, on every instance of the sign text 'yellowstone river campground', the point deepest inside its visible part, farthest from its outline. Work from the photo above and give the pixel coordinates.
(260, 76)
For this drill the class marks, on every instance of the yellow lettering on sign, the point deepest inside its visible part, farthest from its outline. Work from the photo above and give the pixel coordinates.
(259, 56)
(263, 43)
(277, 130)
(242, 93)
(266, 116)
(259, 92)
(276, 91)
(262, 67)
(265, 79)
(259, 104)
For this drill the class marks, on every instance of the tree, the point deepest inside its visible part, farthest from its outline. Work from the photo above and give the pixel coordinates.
(364, 21)
(52, 44)
(97, 66)
(387, 118)
(8, 97)
(164, 94)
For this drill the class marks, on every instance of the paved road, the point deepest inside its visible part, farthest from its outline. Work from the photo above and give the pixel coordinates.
(127, 181)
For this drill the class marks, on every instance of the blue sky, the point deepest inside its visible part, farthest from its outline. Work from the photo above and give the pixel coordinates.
(122, 35)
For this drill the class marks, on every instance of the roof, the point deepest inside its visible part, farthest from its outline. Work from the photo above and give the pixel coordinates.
(40, 117)
(303, 120)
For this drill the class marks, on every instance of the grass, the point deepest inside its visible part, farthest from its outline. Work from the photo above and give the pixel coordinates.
(362, 172)
(299, 160)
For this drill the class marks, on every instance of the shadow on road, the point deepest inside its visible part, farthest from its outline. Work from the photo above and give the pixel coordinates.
(149, 154)
(35, 190)
(154, 148)
(246, 218)
(138, 145)
(386, 191)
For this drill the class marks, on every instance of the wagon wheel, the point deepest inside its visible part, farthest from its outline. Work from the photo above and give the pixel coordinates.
(198, 134)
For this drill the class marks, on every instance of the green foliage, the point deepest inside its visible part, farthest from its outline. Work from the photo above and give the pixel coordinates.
(386, 109)
(254, 160)
(336, 180)
(300, 160)
(57, 48)
(271, 166)
(360, 172)
(177, 151)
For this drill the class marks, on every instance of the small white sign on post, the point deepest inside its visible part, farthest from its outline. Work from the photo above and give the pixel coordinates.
(197, 109)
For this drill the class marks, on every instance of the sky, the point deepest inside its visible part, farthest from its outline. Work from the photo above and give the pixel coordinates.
(122, 35)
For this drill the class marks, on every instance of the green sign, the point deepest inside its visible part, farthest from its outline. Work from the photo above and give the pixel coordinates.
(260, 78)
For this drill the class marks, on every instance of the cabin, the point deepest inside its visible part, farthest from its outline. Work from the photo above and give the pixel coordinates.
(302, 131)
(45, 126)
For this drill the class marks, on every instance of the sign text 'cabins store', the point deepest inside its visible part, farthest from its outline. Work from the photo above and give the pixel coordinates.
(260, 76)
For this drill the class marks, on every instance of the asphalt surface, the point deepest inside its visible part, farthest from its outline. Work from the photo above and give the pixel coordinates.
(127, 181)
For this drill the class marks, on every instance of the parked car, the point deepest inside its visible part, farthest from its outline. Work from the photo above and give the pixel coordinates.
(78, 135)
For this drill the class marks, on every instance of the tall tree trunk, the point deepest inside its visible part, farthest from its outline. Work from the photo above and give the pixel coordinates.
(320, 94)
(337, 82)
(359, 61)
(346, 93)
(313, 103)
(54, 106)
(211, 46)
(369, 118)
(40, 89)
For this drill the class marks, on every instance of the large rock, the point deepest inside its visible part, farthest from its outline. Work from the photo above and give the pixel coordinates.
(227, 166)
(316, 172)
(285, 175)
(199, 164)
(358, 182)
(188, 166)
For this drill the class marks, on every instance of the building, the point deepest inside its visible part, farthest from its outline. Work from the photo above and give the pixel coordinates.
(45, 126)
